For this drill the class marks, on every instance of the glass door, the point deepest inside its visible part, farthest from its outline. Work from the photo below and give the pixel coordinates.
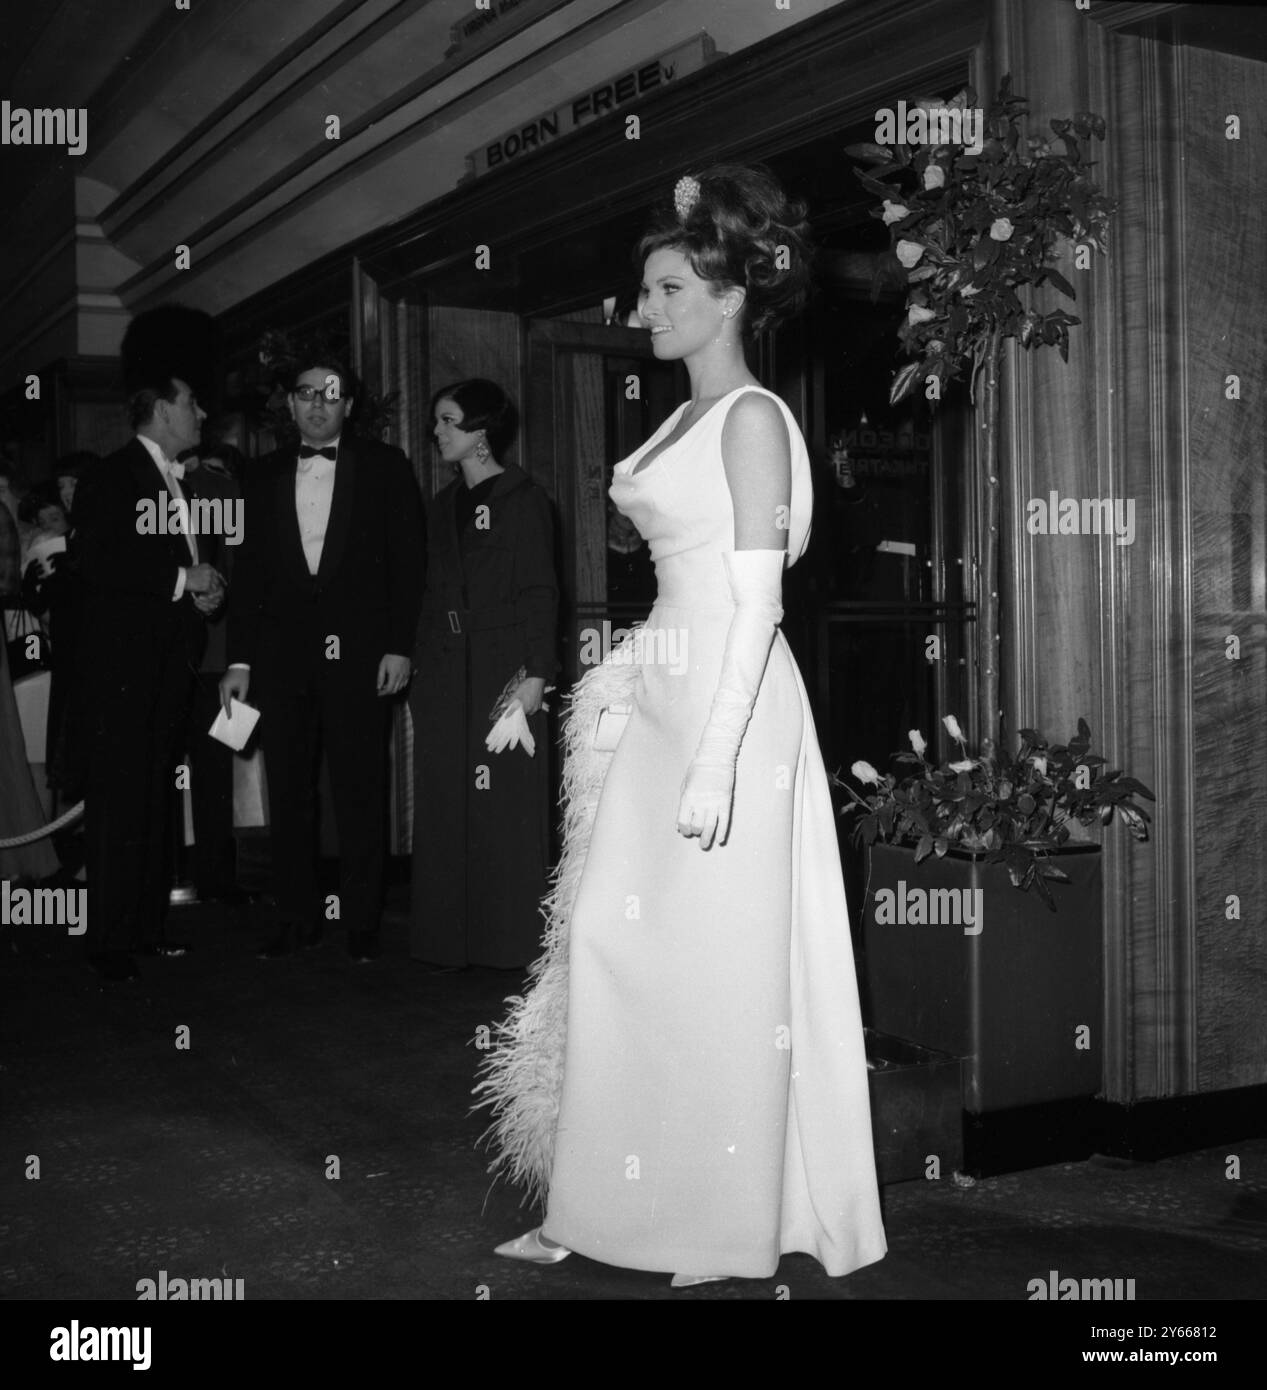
(594, 394)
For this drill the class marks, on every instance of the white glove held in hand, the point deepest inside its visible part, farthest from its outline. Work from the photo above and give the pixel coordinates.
(510, 731)
(756, 584)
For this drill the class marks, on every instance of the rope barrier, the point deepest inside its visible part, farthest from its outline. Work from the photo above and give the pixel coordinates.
(31, 836)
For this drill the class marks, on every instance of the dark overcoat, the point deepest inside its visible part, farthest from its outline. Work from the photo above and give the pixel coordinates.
(481, 819)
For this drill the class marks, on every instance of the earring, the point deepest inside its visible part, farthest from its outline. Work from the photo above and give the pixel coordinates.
(481, 450)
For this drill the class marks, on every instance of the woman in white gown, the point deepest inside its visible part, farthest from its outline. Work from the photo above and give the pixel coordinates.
(687, 1079)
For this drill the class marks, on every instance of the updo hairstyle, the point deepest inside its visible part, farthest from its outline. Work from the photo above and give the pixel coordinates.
(732, 236)
(484, 406)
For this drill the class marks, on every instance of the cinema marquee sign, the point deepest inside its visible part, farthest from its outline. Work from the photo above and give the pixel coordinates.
(599, 100)
(488, 12)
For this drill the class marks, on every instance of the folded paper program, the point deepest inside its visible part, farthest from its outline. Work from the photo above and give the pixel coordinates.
(238, 727)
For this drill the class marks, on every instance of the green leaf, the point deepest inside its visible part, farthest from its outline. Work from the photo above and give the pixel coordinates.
(1063, 285)
(904, 382)
(873, 185)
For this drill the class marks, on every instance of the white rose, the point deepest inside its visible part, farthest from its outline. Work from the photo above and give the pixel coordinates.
(894, 212)
(916, 315)
(966, 765)
(864, 772)
(1001, 230)
(917, 741)
(934, 176)
(952, 728)
(909, 253)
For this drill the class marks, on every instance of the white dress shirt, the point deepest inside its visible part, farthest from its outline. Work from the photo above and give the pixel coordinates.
(172, 484)
(314, 491)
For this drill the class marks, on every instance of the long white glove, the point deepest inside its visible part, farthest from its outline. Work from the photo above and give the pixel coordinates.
(756, 584)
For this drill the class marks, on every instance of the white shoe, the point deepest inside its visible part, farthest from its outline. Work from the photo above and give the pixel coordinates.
(686, 1281)
(533, 1249)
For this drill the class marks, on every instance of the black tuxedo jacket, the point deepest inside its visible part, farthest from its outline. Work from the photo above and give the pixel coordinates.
(129, 577)
(368, 586)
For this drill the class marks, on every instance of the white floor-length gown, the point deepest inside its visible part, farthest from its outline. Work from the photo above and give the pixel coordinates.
(714, 1111)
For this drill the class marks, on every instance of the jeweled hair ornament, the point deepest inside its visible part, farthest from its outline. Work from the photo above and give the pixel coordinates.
(685, 196)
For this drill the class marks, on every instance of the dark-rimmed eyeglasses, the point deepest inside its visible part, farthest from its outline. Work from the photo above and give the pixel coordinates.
(308, 394)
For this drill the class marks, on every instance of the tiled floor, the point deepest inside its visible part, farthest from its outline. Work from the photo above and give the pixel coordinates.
(213, 1160)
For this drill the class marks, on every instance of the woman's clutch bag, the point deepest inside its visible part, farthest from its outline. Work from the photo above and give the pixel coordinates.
(609, 727)
(503, 700)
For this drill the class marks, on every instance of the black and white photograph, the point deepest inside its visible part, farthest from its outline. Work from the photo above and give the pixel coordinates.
(634, 670)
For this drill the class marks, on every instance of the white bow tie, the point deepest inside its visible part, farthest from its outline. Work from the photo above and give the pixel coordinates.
(176, 470)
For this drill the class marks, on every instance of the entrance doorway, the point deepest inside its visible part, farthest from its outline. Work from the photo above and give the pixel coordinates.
(594, 393)
(883, 600)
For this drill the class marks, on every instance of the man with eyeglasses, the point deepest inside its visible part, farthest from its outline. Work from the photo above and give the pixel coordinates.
(327, 591)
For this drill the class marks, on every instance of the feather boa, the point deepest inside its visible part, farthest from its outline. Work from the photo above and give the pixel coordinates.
(521, 1080)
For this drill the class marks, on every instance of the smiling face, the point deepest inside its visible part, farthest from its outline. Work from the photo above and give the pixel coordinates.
(681, 310)
(320, 420)
(454, 443)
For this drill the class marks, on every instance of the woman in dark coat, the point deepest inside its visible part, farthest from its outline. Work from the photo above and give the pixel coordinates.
(488, 627)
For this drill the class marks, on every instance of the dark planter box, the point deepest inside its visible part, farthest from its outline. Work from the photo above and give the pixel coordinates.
(1009, 998)
(916, 1108)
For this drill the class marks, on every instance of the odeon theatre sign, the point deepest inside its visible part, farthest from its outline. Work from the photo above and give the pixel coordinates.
(590, 105)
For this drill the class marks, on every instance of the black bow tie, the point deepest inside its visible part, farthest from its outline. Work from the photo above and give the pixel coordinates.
(329, 452)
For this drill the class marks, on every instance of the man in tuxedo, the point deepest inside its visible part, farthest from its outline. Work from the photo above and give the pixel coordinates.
(146, 592)
(326, 595)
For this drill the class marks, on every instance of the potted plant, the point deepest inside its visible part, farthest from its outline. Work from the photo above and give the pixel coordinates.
(978, 232)
(983, 880)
